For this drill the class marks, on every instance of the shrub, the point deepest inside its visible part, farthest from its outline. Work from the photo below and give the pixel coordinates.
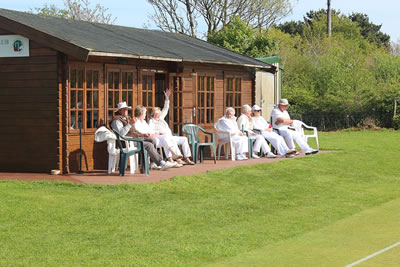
(396, 122)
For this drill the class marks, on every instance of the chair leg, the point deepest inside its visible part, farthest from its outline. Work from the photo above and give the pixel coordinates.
(201, 150)
(215, 156)
(110, 162)
(122, 165)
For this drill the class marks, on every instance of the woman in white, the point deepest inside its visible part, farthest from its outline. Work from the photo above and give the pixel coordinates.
(158, 124)
(165, 141)
(245, 122)
(266, 130)
(228, 123)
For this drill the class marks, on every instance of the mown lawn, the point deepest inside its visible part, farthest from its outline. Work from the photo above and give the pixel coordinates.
(199, 219)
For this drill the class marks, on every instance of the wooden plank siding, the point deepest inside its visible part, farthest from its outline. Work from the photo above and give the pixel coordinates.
(28, 111)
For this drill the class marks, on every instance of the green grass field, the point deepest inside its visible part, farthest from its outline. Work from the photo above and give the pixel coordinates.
(296, 209)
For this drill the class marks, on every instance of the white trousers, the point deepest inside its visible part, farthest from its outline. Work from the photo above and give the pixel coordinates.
(277, 141)
(241, 144)
(180, 141)
(166, 142)
(290, 135)
(260, 143)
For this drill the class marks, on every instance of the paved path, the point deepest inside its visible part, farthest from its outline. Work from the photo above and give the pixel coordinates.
(101, 176)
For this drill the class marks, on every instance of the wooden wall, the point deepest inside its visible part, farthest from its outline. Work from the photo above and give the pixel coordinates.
(95, 155)
(28, 111)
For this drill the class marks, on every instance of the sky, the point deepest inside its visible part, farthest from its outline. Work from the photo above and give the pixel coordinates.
(135, 13)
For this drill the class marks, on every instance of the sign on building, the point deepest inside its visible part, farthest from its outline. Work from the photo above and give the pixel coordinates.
(14, 46)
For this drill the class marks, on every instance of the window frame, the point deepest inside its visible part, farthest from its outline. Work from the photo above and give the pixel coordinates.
(234, 93)
(208, 109)
(84, 109)
(120, 90)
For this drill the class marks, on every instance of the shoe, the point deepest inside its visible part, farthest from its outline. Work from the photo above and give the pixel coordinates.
(168, 165)
(177, 165)
(154, 166)
(312, 151)
(240, 157)
(289, 155)
(244, 157)
(179, 161)
(187, 161)
(297, 153)
(271, 155)
(176, 156)
(255, 156)
(291, 151)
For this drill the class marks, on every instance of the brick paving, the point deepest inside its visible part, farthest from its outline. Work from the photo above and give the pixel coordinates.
(101, 176)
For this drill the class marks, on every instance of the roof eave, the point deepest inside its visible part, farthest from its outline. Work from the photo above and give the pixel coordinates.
(48, 40)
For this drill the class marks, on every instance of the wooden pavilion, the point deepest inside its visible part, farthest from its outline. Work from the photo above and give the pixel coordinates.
(59, 77)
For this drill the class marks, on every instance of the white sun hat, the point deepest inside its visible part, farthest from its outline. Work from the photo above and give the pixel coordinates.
(123, 105)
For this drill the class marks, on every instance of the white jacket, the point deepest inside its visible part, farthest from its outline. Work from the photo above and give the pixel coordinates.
(103, 134)
(243, 122)
(161, 126)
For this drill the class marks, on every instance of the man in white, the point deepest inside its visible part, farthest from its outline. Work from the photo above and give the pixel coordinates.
(228, 123)
(158, 124)
(281, 120)
(266, 130)
(245, 122)
(164, 141)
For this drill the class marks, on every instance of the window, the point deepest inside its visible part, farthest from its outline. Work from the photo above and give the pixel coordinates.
(120, 86)
(148, 92)
(233, 94)
(205, 99)
(84, 98)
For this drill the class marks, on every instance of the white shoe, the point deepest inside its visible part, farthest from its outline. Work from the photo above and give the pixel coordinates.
(244, 156)
(255, 156)
(154, 166)
(239, 157)
(168, 165)
(271, 155)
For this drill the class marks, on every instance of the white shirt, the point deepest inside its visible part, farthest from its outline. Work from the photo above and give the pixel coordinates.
(260, 123)
(143, 127)
(277, 113)
(243, 122)
(228, 125)
(161, 126)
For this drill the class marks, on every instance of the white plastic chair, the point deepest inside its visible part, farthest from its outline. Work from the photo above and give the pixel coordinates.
(225, 139)
(133, 160)
(113, 155)
(103, 134)
(299, 127)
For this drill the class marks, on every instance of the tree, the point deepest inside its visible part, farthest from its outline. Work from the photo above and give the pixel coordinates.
(77, 10)
(241, 38)
(185, 16)
(370, 31)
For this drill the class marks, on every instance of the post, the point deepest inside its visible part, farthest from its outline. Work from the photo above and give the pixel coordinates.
(80, 149)
(329, 20)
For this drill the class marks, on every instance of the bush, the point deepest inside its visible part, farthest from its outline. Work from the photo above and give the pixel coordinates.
(396, 122)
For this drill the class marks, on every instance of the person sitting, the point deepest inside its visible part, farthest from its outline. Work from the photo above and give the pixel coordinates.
(158, 124)
(124, 126)
(163, 141)
(240, 141)
(245, 122)
(275, 139)
(281, 120)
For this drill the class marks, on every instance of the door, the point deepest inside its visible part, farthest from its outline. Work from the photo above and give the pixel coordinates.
(182, 107)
